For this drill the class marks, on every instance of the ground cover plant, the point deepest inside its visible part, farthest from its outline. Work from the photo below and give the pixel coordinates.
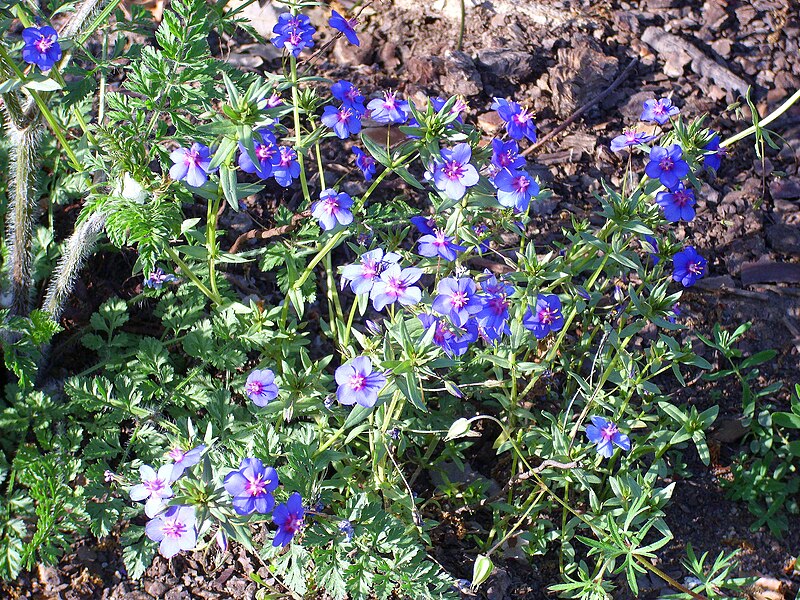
(310, 426)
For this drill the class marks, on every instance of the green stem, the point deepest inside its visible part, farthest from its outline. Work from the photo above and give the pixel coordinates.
(211, 243)
(764, 122)
(298, 136)
(346, 336)
(194, 278)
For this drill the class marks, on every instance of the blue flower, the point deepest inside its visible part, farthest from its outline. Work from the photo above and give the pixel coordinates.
(357, 382)
(261, 387)
(266, 151)
(688, 266)
(343, 120)
(544, 317)
(41, 47)
(677, 204)
(425, 225)
(158, 278)
(287, 168)
(251, 487)
(363, 275)
(155, 488)
(396, 285)
(714, 153)
(183, 459)
(349, 95)
(175, 530)
(453, 174)
(293, 32)
(505, 155)
(659, 110)
(515, 190)
(346, 26)
(289, 519)
(388, 109)
(629, 138)
(364, 162)
(346, 527)
(457, 299)
(332, 209)
(191, 164)
(438, 244)
(606, 435)
(667, 165)
(519, 122)
(653, 249)
(452, 342)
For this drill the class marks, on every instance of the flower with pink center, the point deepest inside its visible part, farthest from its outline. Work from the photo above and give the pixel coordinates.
(629, 138)
(191, 164)
(363, 275)
(667, 165)
(688, 266)
(606, 435)
(287, 168)
(515, 189)
(358, 384)
(183, 459)
(261, 387)
(396, 285)
(266, 152)
(453, 173)
(457, 299)
(343, 120)
(659, 110)
(251, 487)
(155, 488)
(289, 519)
(439, 244)
(175, 530)
(519, 122)
(545, 316)
(677, 204)
(388, 109)
(346, 26)
(332, 209)
(41, 47)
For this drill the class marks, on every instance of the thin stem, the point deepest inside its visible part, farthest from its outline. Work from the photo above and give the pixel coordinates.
(194, 278)
(211, 243)
(764, 122)
(298, 136)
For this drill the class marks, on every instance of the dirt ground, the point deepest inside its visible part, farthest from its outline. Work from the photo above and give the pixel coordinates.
(555, 57)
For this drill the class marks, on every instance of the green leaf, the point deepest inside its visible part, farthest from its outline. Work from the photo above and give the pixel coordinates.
(224, 151)
(481, 570)
(377, 151)
(227, 177)
(785, 419)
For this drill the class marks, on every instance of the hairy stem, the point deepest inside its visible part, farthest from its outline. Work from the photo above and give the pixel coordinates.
(79, 247)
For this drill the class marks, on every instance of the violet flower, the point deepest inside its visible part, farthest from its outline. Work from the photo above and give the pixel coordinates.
(357, 382)
(505, 155)
(677, 204)
(425, 225)
(363, 275)
(453, 174)
(629, 138)
(332, 209)
(453, 343)
(158, 278)
(346, 26)
(544, 317)
(519, 122)
(667, 165)
(155, 488)
(183, 459)
(714, 153)
(287, 168)
(289, 519)
(261, 387)
(266, 151)
(41, 47)
(688, 266)
(515, 190)
(191, 165)
(659, 110)
(606, 435)
(349, 95)
(365, 162)
(293, 32)
(175, 530)
(251, 487)
(388, 109)
(438, 244)
(396, 285)
(457, 299)
(343, 120)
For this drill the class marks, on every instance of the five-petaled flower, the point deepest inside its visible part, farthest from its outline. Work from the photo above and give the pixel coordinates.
(364, 162)
(363, 275)
(346, 26)
(266, 150)
(175, 529)
(191, 164)
(515, 189)
(677, 204)
(289, 519)
(454, 342)
(606, 435)
(519, 122)
(667, 165)
(505, 155)
(388, 109)
(293, 32)
(658, 110)
(287, 168)
(251, 487)
(438, 244)
(184, 459)
(630, 137)
(453, 174)
(396, 285)
(688, 266)
(457, 299)
(343, 120)
(261, 387)
(544, 317)
(358, 384)
(332, 209)
(349, 95)
(155, 488)
(41, 47)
